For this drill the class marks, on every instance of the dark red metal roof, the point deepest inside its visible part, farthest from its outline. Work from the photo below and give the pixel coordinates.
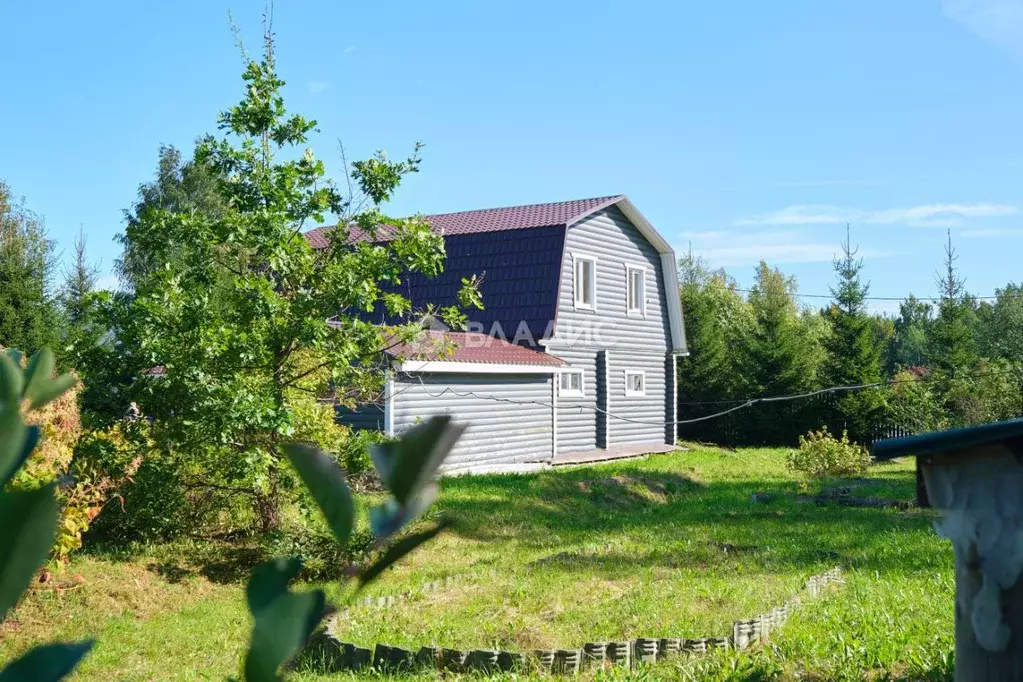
(485, 220)
(471, 347)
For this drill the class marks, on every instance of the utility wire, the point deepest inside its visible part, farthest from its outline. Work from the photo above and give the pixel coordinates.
(928, 299)
(447, 390)
(748, 403)
(889, 382)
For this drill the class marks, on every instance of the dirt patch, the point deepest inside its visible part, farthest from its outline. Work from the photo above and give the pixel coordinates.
(625, 489)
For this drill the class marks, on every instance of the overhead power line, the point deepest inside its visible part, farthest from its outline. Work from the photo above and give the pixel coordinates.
(743, 405)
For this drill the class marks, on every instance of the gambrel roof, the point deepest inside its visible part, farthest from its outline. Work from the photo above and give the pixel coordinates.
(488, 220)
(519, 251)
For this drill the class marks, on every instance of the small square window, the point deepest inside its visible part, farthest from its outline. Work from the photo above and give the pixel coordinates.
(572, 382)
(635, 383)
(636, 294)
(584, 282)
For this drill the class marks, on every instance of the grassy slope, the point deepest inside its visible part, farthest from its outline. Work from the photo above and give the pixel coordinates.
(670, 546)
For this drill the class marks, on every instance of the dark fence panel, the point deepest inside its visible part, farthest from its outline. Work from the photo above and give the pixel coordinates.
(774, 424)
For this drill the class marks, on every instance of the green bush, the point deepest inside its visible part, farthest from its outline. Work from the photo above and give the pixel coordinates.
(313, 543)
(821, 455)
(354, 454)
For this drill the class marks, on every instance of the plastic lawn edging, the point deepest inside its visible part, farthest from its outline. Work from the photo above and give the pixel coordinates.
(568, 661)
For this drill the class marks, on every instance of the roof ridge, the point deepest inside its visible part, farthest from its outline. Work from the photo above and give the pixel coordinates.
(609, 197)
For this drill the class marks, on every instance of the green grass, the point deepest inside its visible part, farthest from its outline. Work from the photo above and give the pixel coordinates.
(668, 546)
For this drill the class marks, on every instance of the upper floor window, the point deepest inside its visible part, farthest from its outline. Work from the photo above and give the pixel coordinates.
(571, 383)
(635, 383)
(636, 294)
(585, 281)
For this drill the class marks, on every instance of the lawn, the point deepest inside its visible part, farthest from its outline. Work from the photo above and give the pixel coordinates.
(667, 546)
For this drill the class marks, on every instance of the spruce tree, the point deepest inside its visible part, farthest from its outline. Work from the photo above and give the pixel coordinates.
(952, 350)
(853, 350)
(79, 282)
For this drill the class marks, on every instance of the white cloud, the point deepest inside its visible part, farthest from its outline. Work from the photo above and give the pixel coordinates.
(803, 214)
(992, 232)
(926, 215)
(997, 21)
(316, 87)
(351, 48)
(108, 283)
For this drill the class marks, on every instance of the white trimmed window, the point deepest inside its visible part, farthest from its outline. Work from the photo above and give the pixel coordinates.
(571, 383)
(636, 290)
(585, 281)
(635, 383)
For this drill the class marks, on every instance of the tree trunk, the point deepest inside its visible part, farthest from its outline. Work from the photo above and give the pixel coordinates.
(268, 505)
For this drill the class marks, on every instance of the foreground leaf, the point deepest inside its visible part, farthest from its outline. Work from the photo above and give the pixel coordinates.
(408, 464)
(269, 581)
(46, 663)
(281, 630)
(38, 372)
(398, 550)
(11, 381)
(51, 390)
(326, 482)
(16, 443)
(387, 519)
(26, 536)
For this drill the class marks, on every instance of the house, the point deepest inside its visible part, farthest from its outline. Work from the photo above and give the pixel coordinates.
(573, 357)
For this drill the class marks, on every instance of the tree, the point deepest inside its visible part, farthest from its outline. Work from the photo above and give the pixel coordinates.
(952, 349)
(908, 347)
(236, 315)
(853, 355)
(79, 282)
(179, 187)
(781, 357)
(28, 317)
(852, 344)
(718, 321)
(1003, 328)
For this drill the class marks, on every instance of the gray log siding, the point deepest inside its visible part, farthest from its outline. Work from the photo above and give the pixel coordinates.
(634, 342)
(616, 243)
(363, 417)
(498, 432)
(577, 418)
(648, 408)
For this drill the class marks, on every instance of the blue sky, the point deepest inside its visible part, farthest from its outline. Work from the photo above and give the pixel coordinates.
(748, 129)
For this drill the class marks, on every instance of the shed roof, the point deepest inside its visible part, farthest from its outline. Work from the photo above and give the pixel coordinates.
(471, 347)
(946, 441)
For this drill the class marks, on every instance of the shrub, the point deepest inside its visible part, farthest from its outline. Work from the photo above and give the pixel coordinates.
(323, 558)
(82, 489)
(821, 455)
(150, 498)
(354, 456)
